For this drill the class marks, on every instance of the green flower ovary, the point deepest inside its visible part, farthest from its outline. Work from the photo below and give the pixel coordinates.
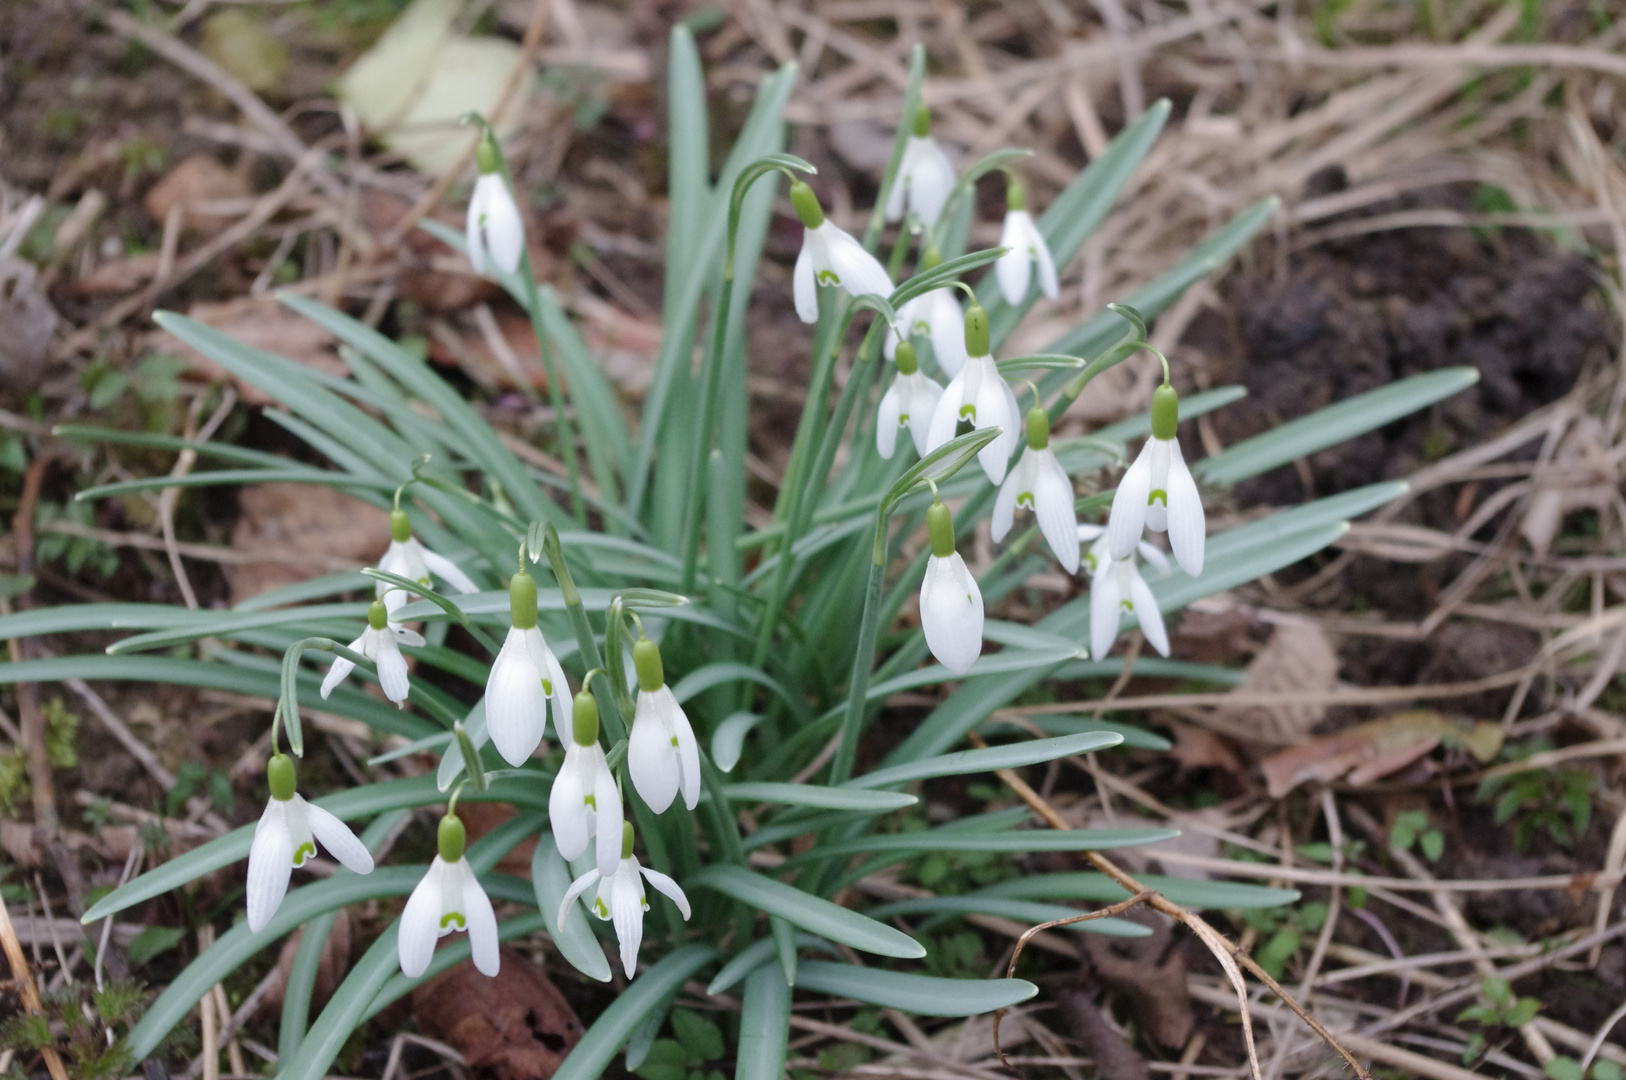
(304, 851)
(453, 917)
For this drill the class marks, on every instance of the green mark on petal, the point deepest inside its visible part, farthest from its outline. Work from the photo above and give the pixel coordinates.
(674, 740)
(903, 418)
(547, 687)
(307, 850)
(1158, 495)
(588, 800)
(1126, 605)
(968, 412)
(828, 277)
(452, 917)
(598, 906)
(1025, 500)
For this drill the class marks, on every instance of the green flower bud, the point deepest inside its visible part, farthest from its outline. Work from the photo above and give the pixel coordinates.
(626, 839)
(1038, 428)
(378, 615)
(400, 526)
(452, 838)
(976, 330)
(1016, 196)
(280, 774)
(646, 657)
(807, 205)
(923, 121)
(907, 362)
(1165, 412)
(522, 600)
(940, 527)
(584, 718)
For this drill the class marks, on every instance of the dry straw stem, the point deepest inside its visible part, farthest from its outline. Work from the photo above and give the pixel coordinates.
(1228, 955)
(23, 979)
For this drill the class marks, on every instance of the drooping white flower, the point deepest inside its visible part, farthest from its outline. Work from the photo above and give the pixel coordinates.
(979, 394)
(525, 678)
(830, 257)
(1040, 484)
(495, 226)
(1158, 493)
(585, 803)
(286, 837)
(1115, 588)
(408, 558)
(950, 602)
(938, 315)
(910, 401)
(381, 643)
(1098, 558)
(621, 899)
(1014, 269)
(925, 175)
(448, 899)
(662, 755)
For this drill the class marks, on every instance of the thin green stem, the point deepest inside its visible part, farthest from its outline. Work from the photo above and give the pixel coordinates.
(841, 768)
(556, 394)
(711, 377)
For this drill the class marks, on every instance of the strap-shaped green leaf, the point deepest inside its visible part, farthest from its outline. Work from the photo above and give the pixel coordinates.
(1020, 840)
(819, 797)
(923, 995)
(591, 1056)
(812, 913)
(1186, 891)
(550, 876)
(764, 1027)
(1011, 756)
(1026, 911)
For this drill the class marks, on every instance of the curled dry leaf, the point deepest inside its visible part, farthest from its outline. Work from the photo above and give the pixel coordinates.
(1586, 476)
(1102, 1041)
(1151, 973)
(193, 185)
(1296, 659)
(302, 530)
(517, 1026)
(481, 817)
(259, 322)
(1367, 752)
(27, 322)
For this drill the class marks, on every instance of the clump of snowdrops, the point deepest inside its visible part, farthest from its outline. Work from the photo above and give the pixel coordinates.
(644, 666)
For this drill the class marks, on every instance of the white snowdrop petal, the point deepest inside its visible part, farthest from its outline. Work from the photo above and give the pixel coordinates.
(1105, 597)
(572, 894)
(996, 407)
(1088, 531)
(924, 395)
(687, 751)
(670, 888)
(505, 228)
(1014, 269)
(1188, 528)
(561, 696)
(1053, 505)
(1145, 608)
(1048, 285)
(900, 183)
(804, 283)
(392, 667)
(1127, 519)
(567, 807)
(946, 416)
(270, 865)
(1004, 515)
(931, 180)
(341, 668)
(473, 234)
(607, 819)
(482, 924)
(419, 928)
(516, 710)
(951, 613)
(1154, 555)
(449, 572)
(947, 323)
(650, 759)
(886, 420)
(406, 635)
(859, 272)
(337, 839)
(627, 911)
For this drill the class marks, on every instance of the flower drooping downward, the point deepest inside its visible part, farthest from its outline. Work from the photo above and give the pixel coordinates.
(950, 602)
(1158, 493)
(448, 899)
(937, 315)
(286, 837)
(925, 175)
(525, 679)
(1117, 587)
(978, 394)
(662, 755)
(495, 227)
(1014, 269)
(408, 558)
(1040, 484)
(909, 402)
(621, 898)
(381, 643)
(829, 257)
(585, 802)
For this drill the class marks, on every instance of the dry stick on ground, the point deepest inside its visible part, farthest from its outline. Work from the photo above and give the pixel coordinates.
(1224, 951)
(23, 979)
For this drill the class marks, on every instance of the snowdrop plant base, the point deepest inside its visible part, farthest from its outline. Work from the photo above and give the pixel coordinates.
(767, 666)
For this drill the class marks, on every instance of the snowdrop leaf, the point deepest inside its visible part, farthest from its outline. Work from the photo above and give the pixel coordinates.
(550, 876)
(756, 954)
(924, 995)
(940, 464)
(650, 599)
(1011, 756)
(231, 625)
(1025, 911)
(822, 798)
(812, 913)
(1020, 840)
(1040, 362)
(906, 123)
(1187, 891)
(942, 274)
(615, 1025)
(728, 741)
(704, 678)
(415, 588)
(764, 1027)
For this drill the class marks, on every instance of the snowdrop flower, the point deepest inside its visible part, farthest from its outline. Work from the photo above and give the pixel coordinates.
(381, 643)
(1118, 587)
(495, 227)
(910, 401)
(525, 678)
(408, 558)
(950, 602)
(925, 175)
(1040, 484)
(584, 801)
(1158, 493)
(936, 314)
(1014, 269)
(829, 257)
(286, 837)
(979, 394)
(448, 899)
(621, 897)
(1098, 558)
(662, 755)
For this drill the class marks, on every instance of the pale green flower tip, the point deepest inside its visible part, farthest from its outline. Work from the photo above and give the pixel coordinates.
(940, 526)
(646, 658)
(807, 205)
(282, 777)
(378, 616)
(522, 600)
(584, 719)
(1165, 412)
(451, 838)
(400, 526)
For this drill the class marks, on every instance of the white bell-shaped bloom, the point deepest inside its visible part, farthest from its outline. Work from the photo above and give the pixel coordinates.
(408, 558)
(1158, 493)
(448, 899)
(620, 898)
(950, 602)
(830, 257)
(1098, 558)
(938, 315)
(584, 803)
(1014, 269)
(1118, 587)
(495, 227)
(910, 401)
(1038, 483)
(525, 678)
(663, 757)
(925, 176)
(980, 394)
(286, 837)
(381, 643)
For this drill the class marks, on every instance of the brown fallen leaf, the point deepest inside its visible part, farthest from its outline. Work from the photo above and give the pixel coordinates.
(1113, 1055)
(259, 322)
(1199, 748)
(1367, 752)
(330, 969)
(193, 184)
(517, 1026)
(303, 530)
(1296, 659)
(1587, 476)
(27, 321)
(118, 276)
(1151, 973)
(481, 817)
